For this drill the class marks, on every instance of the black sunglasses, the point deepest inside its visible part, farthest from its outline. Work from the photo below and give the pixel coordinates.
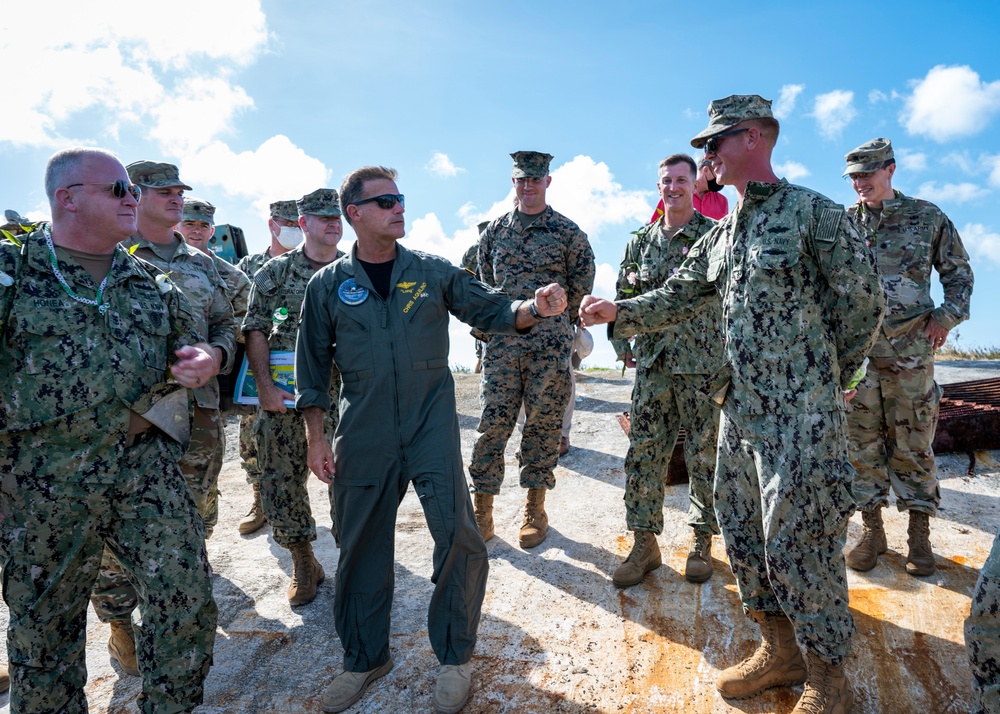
(712, 143)
(118, 188)
(385, 201)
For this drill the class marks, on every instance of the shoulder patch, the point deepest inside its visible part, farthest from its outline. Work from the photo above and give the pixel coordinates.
(264, 282)
(829, 224)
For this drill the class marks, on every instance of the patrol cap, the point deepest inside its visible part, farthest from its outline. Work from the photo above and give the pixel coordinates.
(321, 202)
(153, 174)
(285, 209)
(728, 112)
(483, 225)
(870, 156)
(196, 209)
(530, 164)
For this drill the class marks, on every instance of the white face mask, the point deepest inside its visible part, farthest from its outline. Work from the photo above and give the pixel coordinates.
(289, 237)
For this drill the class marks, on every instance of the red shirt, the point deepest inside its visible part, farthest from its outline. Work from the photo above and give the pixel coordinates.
(711, 204)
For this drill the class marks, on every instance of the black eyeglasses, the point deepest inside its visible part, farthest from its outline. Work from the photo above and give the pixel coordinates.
(712, 143)
(385, 201)
(118, 188)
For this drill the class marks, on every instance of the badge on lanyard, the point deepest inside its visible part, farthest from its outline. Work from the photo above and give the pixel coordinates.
(351, 293)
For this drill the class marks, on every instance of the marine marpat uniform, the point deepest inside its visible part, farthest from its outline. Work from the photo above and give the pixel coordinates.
(801, 305)
(196, 276)
(893, 416)
(535, 367)
(398, 425)
(69, 378)
(281, 438)
(671, 368)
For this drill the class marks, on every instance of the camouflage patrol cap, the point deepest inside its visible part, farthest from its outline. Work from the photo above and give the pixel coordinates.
(196, 209)
(321, 202)
(870, 156)
(482, 226)
(728, 112)
(530, 164)
(285, 209)
(152, 174)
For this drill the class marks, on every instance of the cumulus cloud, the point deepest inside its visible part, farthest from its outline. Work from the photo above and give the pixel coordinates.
(911, 160)
(950, 192)
(791, 170)
(786, 100)
(427, 234)
(202, 110)
(833, 111)
(586, 191)
(981, 242)
(877, 96)
(950, 103)
(441, 165)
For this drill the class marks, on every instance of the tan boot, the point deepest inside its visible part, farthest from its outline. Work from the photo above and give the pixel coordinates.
(348, 687)
(484, 515)
(4, 679)
(699, 567)
(536, 520)
(920, 559)
(121, 647)
(864, 556)
(307, 574)
(645, 556)
(826, 690)
(777, 662)
(254, 520)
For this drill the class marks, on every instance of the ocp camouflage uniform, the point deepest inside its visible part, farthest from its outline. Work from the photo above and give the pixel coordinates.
(982, 636)
(893, 416)
(671, 367)
(73, 481)
(801, 304)
(195, 275)
(249, 265)
(535, 367)
(281, 438)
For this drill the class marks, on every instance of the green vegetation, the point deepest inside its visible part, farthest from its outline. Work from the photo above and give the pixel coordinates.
(954, 350)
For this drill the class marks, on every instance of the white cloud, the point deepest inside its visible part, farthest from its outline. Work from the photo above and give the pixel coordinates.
(441, 165)
(792, 170)
(786, 100)
(950, 192)
(962, 160)
(949, 103)
(981, 242)
(994, 163)
(202, 110)
(911, 160)
(833, 111)
(428, 235)
(585, 191)
(877, 96)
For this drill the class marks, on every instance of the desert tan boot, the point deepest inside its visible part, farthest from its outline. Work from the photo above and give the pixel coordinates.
(920, 558)
(348, 687)
(826, 690)
(307, 574)
(645, 556)
(451, 691)
(699, 567)
(536, 521)
(484, 515)
(254, 520)
(4, 679)
(864, 556)
(121, 646)
(777, 662)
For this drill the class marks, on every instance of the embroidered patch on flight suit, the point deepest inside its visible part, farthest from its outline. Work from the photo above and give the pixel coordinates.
(351, 293)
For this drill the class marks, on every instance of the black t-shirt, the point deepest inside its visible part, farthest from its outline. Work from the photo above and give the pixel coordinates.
(379, 274)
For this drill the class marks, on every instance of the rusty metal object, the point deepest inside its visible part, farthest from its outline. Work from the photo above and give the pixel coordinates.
(969, 417)
(676, 468)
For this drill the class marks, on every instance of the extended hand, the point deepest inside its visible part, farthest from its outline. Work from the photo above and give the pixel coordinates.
(550, 300)
(597, 311)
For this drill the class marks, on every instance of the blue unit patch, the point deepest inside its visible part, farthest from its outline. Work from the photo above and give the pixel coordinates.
(351, 293)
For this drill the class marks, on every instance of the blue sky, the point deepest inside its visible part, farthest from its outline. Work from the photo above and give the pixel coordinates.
(265, 100)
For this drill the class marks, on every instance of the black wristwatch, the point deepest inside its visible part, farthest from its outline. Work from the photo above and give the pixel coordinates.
(534, 312)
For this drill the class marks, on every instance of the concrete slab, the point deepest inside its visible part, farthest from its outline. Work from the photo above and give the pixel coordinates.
(556, 634)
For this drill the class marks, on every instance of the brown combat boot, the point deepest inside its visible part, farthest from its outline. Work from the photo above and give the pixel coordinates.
(484, 515)
(121, 646)
(536, 520)
(699, 568)
(645, 556)
(254, 520)
(826, 690)
(920, 559)
(307, 574)
(4, 679)
(864, 556)
(777, 662)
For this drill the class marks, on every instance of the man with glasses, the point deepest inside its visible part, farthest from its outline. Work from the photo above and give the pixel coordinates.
(518, 253)
(271, 326)
(670, 368)
(196, 276)
(381, 315)
(93, 346)
(283, 227)
(801, 305)
(894, 413)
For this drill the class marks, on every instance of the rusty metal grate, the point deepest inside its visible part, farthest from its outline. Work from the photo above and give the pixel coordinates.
(969, 417)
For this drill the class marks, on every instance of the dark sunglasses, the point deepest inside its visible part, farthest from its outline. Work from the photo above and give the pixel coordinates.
(118, 188)
(385, 201)
(712, 143)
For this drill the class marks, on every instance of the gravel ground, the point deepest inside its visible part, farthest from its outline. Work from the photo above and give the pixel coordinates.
(556, 635)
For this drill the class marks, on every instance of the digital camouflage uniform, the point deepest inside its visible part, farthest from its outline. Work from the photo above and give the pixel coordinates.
(398, 425)
(801, 304)
(982, 636)
(196, 276)
(671, 368)
(281, 438)
(893, 416)
(71, 485)
(533, 368)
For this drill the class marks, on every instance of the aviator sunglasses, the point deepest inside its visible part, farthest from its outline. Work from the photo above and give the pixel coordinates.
(385, 201)
(118, 188)
(712, 143)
